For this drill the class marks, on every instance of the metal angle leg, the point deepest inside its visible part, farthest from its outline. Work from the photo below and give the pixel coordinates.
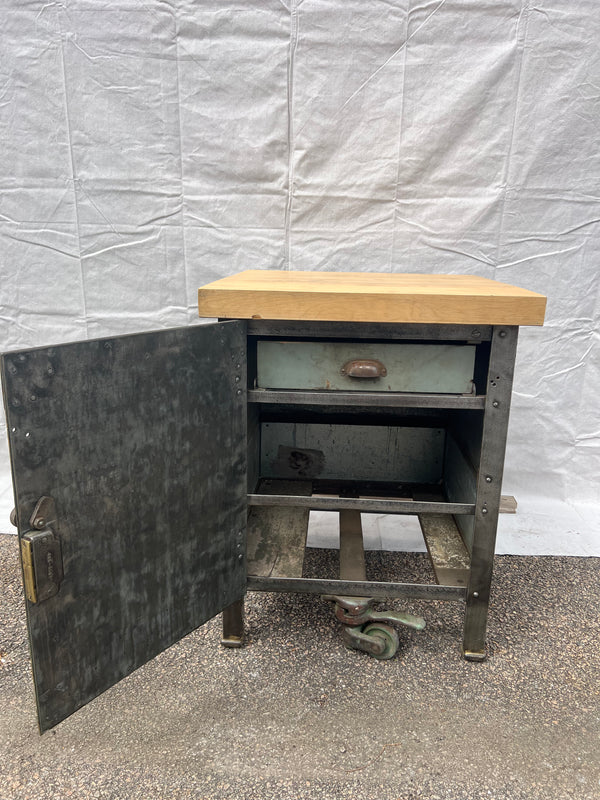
(233, 625)
(489, 485)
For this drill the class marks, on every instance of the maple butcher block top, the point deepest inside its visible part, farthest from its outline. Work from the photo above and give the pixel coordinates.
(370, 297)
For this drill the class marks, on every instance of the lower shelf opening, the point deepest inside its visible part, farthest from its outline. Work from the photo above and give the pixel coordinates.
(277, 534)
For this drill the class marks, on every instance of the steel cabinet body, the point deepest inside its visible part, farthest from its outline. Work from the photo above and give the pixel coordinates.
(158, 476)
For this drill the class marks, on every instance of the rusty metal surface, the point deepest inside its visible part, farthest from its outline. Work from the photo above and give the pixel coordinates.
(141, 441)
(356, 611)
(371, 330)
(387, 590)
(489, 483)
(368, 505)
(364, 368)
(233, 625)
(367, 400)
(334, 450)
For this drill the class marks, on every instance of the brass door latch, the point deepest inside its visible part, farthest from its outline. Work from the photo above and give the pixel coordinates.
(41, 554)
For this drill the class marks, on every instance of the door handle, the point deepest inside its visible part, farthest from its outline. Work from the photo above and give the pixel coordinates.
(41, 554)
(364, 368)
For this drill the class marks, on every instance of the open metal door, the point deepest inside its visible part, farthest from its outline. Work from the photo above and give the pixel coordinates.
(129, 468)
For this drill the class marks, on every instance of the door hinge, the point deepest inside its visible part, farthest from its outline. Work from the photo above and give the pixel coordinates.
(41, 554)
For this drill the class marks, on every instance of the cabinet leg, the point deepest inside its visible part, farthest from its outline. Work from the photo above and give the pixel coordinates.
(233, 625)
(478, 592)
(474, 630)
(489, 483)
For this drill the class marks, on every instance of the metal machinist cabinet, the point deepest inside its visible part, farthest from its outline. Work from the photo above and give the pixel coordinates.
(158, 476)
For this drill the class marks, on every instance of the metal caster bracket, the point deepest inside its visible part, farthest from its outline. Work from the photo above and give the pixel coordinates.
(380, 641)
(375, 636)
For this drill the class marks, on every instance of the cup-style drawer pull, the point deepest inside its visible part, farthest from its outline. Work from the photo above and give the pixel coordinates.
(364, 368)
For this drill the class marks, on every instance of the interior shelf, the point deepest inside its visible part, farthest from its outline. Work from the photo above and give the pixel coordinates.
(369, 505)
(364, 496)
(277, 533)
(366, 399)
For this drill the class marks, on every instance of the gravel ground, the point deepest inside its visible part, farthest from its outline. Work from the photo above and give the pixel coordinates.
(296, 715)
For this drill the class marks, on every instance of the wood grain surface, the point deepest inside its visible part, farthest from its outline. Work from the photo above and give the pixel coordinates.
(370, 297)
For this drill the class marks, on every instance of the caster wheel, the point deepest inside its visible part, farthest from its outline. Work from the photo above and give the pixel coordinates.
(387, 634)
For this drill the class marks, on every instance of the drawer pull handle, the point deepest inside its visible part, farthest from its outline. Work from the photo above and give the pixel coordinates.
(364, 368)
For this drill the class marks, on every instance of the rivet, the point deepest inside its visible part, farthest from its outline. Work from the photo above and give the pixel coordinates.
(475, 594)
(33, 397)
(495, 404)
(240, 557)
(237, 378)
(488, 478)
(39, 522)
(484, 510)
(476, 333)
(502, 334)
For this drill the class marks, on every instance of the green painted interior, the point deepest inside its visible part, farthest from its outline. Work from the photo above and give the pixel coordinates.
(431, 368)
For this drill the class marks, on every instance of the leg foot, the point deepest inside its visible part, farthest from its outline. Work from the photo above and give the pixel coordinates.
(471, 655)
(233, 625)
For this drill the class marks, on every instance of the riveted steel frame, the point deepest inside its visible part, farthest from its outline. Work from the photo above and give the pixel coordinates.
(365, 399)
(370, 506)
(378, 589)
(369, 330)
(495, 404)
(489, 485)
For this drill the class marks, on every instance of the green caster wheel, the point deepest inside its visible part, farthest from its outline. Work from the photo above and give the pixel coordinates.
(387, 634)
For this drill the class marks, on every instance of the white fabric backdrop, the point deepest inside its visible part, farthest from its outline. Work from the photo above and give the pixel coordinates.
(151, 147)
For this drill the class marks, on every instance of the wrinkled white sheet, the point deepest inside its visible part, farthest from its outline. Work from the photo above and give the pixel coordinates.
(151, 147)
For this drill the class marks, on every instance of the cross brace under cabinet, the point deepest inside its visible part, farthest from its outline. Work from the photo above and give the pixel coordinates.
(158, 476)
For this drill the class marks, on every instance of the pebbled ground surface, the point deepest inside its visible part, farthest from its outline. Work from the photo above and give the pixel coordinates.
(296, 715)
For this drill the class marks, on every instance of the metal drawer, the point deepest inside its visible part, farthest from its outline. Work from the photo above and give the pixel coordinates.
(366, 366)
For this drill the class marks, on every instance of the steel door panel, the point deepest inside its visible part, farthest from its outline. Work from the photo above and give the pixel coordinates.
(141, 443)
